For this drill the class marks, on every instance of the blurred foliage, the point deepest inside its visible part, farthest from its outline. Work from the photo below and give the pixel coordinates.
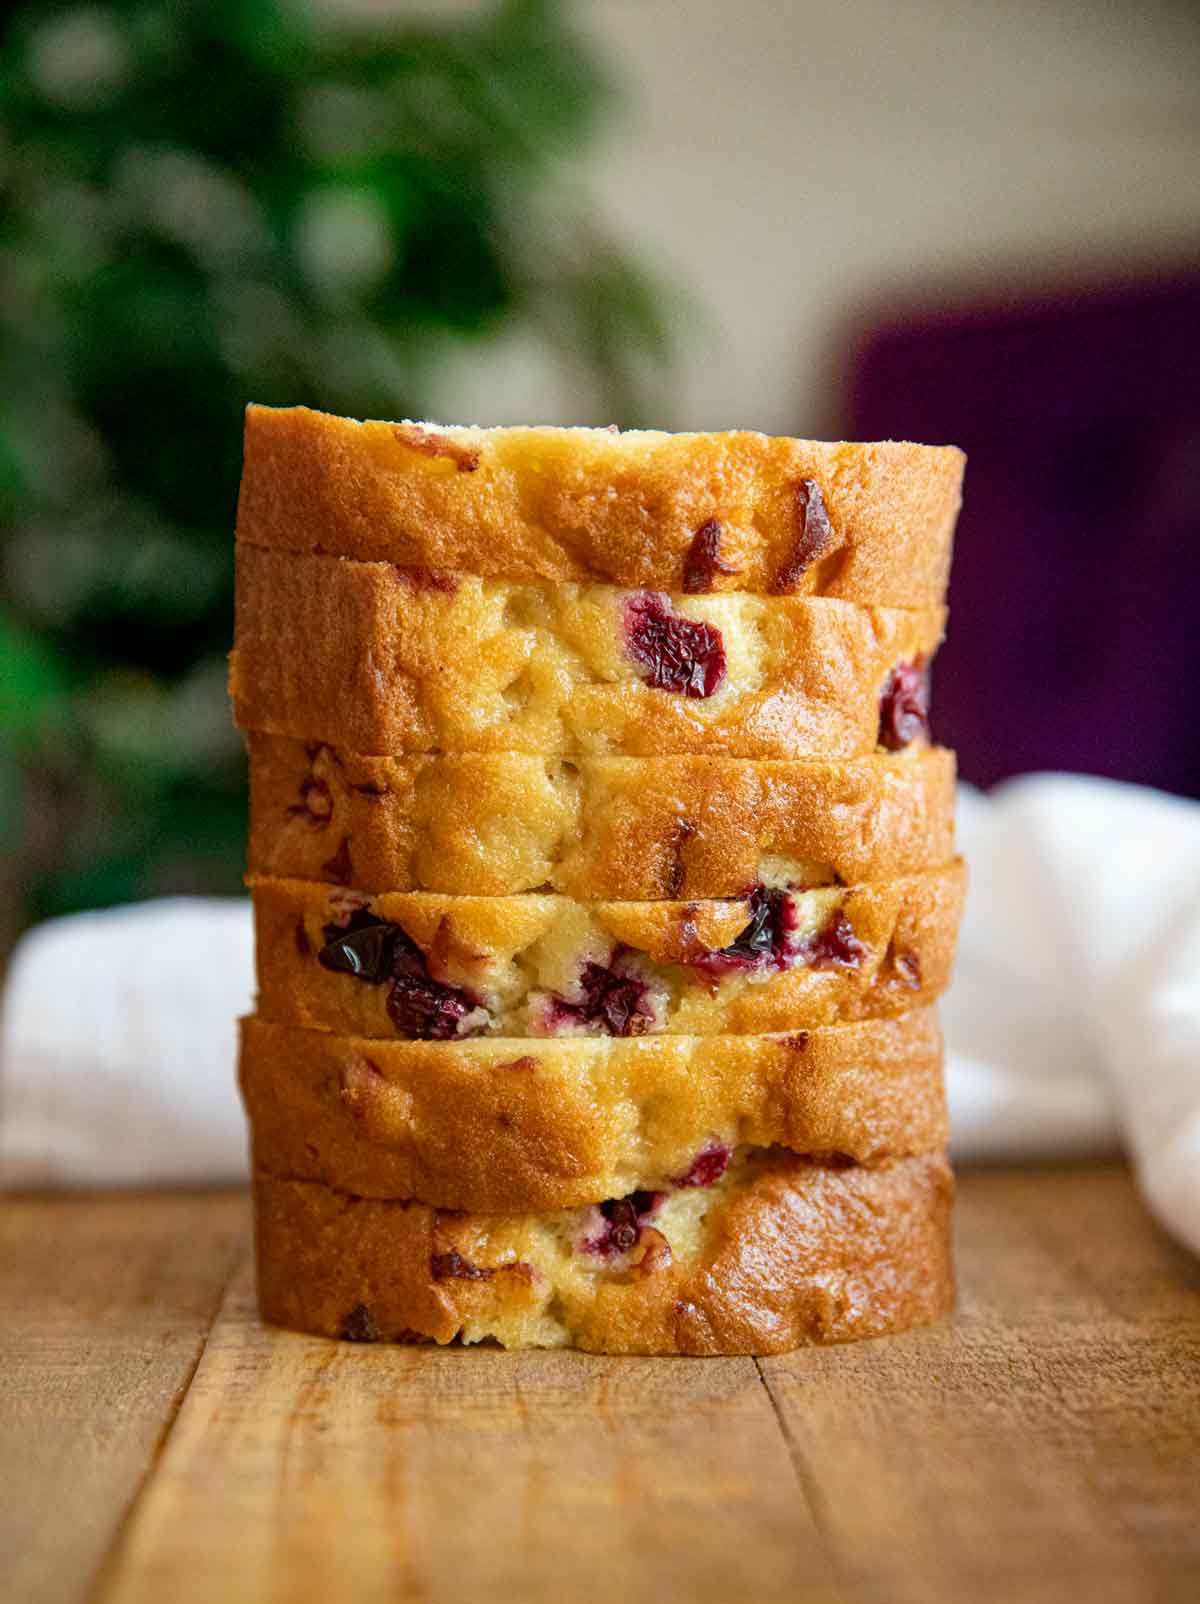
(201, 203)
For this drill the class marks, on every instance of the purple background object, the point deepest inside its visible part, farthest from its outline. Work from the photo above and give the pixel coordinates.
(1075, 597)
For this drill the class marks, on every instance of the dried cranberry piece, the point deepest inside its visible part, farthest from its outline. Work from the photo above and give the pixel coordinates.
(703, 561)
(835, 946)
(764, 941)
(427, 578)
(904, 706)
(620, 1223)
(375, 950)
(363, 947)
(681, 654)
(708, 1166)
(358, 1325)
(612, 1000)
(452, 1266)
(426, 1010)
(617, 1003)
(814, 533)
(677, 874)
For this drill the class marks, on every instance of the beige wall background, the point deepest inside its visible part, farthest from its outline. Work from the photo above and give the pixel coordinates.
(789, 164)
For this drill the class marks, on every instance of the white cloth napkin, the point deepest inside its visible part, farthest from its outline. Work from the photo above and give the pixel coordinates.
(1074, 1020)
(118, 1043)
(1073, 1025)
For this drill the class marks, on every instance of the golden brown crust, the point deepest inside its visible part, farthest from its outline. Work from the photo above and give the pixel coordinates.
(794, 1254)
(847, 953)
(529, 1125)
(593, 828)
(365, 656)
(867, 523)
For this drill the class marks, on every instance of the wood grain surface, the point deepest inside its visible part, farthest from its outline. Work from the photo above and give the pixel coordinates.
(104, 1309)
(1042, 1446)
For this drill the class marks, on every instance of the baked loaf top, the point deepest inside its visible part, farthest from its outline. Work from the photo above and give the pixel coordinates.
(776, 1254)
(366, 656)
(425, 966)
(594, 828)
(684, 512)
(499, 1124)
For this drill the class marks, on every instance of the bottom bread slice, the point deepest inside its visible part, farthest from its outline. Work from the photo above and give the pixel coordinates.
(778, 1252)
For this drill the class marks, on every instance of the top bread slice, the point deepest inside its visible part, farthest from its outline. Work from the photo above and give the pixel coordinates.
(684, 513)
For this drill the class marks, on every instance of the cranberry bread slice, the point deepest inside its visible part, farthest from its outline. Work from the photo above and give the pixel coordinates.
(425, 966)
(776, 1254)
(517, 1124)
(683, 513)
(378, 659)
(594, 828)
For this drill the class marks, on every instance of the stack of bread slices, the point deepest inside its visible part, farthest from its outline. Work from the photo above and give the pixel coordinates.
(604, 883)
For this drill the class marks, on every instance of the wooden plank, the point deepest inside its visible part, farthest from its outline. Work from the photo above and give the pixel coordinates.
(305, 1470)
(104, 1308)
(1042, 1447)
(1045, 1446)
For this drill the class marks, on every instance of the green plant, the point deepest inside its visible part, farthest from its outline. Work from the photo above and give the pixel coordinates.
(201, 203)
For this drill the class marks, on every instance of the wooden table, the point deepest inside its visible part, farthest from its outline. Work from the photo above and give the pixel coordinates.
(159, 1445)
